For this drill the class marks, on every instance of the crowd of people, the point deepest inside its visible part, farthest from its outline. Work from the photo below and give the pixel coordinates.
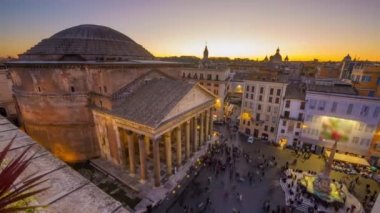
(222, 163)
(221, 160)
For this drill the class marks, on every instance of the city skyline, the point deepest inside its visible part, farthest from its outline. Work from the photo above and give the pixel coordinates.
(326, 30)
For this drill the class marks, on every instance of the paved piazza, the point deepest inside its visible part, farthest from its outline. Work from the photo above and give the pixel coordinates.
(201, 188)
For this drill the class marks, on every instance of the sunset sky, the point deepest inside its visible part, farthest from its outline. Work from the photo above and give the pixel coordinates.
(303, 29)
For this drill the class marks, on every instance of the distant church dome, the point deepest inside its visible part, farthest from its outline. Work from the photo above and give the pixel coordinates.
(87, 43)
(347, 58)
(276, 58)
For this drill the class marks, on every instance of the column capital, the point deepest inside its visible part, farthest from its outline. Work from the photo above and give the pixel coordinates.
(167, 134)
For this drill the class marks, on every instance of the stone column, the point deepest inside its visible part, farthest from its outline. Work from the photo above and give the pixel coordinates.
(187, 126)
(202, 130)
(147, 145)
(179, 146)
(131, 152)
(168, 152)
(195, 132)
(143, 172)
(120, 146)
(207, 125)
(211, 123)
(156, 162)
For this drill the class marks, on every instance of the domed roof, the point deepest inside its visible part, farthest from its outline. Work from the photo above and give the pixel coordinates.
(347, 58)
(87, 42)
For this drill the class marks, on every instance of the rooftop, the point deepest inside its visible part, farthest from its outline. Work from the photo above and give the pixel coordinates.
(67, 188)
(86, 42)
(335, 89)
(295, 91)
(153, 101)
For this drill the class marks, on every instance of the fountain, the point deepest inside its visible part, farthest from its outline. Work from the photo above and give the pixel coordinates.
(322, 186)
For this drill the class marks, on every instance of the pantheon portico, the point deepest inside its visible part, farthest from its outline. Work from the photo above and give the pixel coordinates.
(157, 128)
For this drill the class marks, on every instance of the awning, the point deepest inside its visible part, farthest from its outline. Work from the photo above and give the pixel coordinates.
(348, 158)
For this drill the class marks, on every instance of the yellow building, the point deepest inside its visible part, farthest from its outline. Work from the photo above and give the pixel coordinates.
(366, 79)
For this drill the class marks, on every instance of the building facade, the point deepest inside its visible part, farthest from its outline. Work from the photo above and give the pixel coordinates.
(260, 110)
(338, 113)
(7, 104)
(366, 79)
(214, 80)
(291, 116)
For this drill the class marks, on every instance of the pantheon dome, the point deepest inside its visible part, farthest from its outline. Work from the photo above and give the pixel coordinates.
(87, 43)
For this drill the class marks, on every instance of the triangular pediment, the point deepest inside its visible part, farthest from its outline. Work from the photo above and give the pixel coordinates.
(196, 97)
